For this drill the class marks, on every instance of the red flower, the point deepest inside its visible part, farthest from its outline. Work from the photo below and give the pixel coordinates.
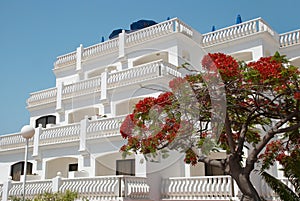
(127, 126)
(297, 95)
(228, 67)
(267, 68)
(164, 99)
(176, 83)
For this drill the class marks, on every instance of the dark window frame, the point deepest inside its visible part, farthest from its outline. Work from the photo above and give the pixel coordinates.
(73, 167)
(132, 167)
(14, 173)
(44, 120)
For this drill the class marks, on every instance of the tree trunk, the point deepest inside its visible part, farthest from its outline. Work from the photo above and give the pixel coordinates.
(242, 179)
(246, 187)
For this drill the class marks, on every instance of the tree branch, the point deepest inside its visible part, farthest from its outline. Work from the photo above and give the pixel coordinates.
(252, 158)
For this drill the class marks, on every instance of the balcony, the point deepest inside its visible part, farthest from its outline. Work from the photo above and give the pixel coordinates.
(96, 188)
(92, 129)
(290, 38)
(237, 31)
(131, 39)
(211, 188)
(199, 188)
(134, 75)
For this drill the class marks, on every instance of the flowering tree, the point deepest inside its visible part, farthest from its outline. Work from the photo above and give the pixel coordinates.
(255, 107)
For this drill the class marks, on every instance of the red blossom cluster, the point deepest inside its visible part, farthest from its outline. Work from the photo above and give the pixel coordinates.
(274, 151)
(267, 68)
(227, 66)
(297, 95)
(127, 126)
(175, 83)
(139, 120)
(242, 82)
(190, 157)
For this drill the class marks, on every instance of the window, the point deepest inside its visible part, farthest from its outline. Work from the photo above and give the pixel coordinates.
(73, 167)
(213, 171)
(50, 119)
(17, 170)
(126, 167)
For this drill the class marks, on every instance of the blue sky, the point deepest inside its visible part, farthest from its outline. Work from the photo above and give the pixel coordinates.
(34, 32)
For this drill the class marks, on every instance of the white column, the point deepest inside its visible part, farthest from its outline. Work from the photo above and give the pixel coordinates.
(104, 77)
(56, 183)
(5, 191)
(83, 127)
(122, 41)
(79, 53)
(36, 142)
(59, 89)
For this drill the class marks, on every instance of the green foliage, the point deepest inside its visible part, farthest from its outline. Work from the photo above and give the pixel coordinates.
(280, 188)
(66, 196)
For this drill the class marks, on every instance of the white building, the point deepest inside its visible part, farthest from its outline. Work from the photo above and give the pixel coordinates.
(76, 148)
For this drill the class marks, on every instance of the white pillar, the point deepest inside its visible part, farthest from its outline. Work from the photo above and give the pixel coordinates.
(5, 191)
(79, 54)
(83, 127)
(56, 183)
(36, 142)
(59, 89)
(104, 77)
(122, 41)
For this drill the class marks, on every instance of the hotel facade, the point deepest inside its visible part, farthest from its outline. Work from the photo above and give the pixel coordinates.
(77, 138)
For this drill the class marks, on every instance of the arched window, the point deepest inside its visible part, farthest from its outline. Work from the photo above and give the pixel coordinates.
(50, 119)
(17, 170)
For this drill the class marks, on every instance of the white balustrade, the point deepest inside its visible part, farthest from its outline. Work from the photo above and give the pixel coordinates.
(141, 73)
(84, 87)
(192, 188)
(183, 28)
(101, 48)
(33, 188)
(136, 187)
(151, 32)
(107, 187)
(42, 97)
(237, 31)
(60, 134)
(104, 127)
(158, 30)
(65, 60)
(289, 38)
(13, 141)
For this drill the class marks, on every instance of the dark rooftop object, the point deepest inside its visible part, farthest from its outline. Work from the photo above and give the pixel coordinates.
(115, 33)
(142, 24)
(213, 28)
(238, 19)
(133, 27)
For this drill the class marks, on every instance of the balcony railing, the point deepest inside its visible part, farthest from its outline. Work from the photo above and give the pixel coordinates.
(198, 188)
(95, 188)
(133, 38)
(13, 141)
(141, 73)
(289, 38)
(104, 127)
(60, 134)
(236, 31)
(42, 97)
(94, 129)
(65, 60)
(84, 87)
(133, 75)
(101, 48)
